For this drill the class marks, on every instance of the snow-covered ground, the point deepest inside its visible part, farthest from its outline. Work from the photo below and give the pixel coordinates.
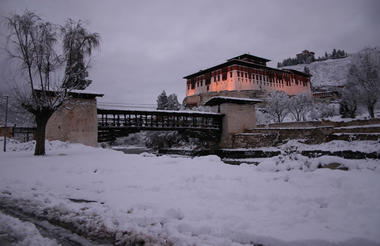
(336, 145)
(285, 200)
(16, 232)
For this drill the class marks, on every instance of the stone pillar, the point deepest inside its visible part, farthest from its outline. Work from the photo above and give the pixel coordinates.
(239, 115)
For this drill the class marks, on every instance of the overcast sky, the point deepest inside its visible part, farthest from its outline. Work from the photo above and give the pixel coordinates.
(149, 46)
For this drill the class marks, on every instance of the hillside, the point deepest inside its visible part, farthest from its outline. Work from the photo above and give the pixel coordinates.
(327, 73)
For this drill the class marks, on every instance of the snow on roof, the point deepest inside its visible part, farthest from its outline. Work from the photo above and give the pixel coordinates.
(160, 111)
(89, 92)
(219, 100)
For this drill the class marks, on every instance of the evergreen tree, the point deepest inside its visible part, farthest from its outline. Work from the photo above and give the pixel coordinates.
(162, 101)
(173, 103)
(77, 44)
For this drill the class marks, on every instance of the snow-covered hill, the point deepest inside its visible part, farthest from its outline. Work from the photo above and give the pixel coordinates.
(327, 73)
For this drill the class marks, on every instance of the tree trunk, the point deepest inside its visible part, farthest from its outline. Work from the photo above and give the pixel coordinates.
(371, 109)
(41, 121)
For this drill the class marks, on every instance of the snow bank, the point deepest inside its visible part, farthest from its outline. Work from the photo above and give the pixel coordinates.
(16, 232)
(336, 145)
(195, 201)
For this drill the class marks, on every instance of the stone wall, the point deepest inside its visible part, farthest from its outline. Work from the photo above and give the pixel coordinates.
(313, 132)
(292, 124)
(322, 123)
(275, 136)
(75, 122)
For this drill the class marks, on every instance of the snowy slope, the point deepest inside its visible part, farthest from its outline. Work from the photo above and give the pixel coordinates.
(331, 72)
(198, 201)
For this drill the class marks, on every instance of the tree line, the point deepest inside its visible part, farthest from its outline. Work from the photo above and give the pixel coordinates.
(309, 57)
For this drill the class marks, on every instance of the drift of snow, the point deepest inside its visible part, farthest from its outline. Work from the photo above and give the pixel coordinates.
(199, 201)
(15, 232)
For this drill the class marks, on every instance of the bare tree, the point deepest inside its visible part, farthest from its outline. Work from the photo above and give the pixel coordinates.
(277, 105)
(364, 75)
(33, 43)
(348, 103)
(299, 105)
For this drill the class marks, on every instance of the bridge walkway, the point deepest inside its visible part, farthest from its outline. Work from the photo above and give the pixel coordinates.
(114, 123)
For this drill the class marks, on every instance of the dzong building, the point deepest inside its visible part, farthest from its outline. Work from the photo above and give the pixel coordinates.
(244, 76)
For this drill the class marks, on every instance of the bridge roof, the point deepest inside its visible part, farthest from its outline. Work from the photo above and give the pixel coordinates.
(158, 112)
(237, 100)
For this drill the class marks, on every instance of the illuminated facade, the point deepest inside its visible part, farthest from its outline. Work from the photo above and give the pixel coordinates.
(243, 76)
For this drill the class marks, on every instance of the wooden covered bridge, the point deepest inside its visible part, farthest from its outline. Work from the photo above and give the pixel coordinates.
(114, 123)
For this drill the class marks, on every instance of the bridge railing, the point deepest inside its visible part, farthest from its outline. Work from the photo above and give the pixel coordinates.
(158, 119)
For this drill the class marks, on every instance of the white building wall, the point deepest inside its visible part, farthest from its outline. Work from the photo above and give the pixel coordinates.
(238, 83)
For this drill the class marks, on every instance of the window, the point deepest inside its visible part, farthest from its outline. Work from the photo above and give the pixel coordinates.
(230, 74)
(218, 77)
(238, 73)
(257, 77)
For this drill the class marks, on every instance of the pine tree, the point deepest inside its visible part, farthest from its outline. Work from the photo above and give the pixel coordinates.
(77, 44)
(173, 103)
(162, 101)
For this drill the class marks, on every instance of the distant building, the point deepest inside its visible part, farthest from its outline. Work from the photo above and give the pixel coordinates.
(244, 76)
(305, 53)
(305, 57)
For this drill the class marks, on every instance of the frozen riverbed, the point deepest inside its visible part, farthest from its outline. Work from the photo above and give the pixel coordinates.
(284, 200)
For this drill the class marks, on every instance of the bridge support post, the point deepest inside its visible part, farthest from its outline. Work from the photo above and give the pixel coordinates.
(239, 115)
(76, 120)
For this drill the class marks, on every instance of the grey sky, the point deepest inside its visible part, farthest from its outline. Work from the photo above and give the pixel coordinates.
(148, 46)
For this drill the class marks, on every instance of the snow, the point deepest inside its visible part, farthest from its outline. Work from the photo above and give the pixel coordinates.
(354, 127)
(331, 72)
(336, 145)
(285, 200)
(18, 233)
(190, 112)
